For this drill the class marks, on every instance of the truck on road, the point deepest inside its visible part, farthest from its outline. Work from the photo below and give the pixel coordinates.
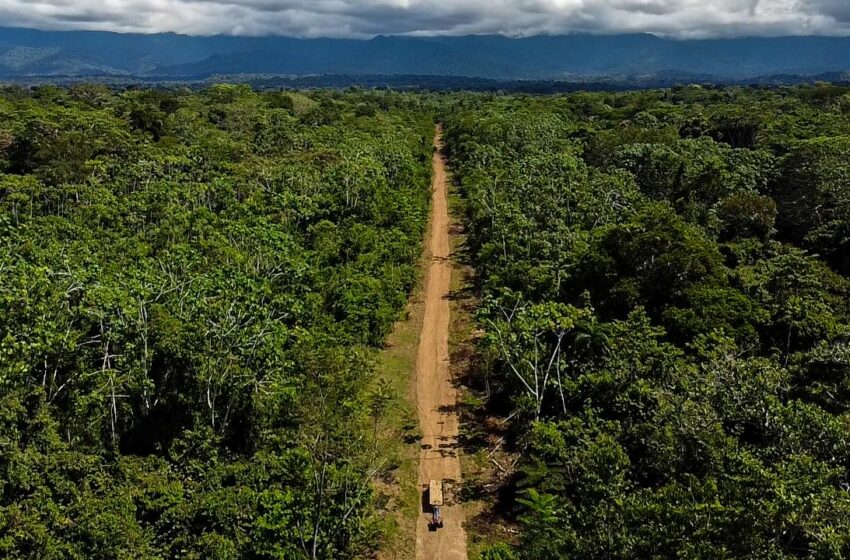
(435, 499)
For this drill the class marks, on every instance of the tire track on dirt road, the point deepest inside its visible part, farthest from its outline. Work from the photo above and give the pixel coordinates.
(436, 396)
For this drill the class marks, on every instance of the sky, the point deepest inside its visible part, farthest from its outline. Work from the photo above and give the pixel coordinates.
(366, 18)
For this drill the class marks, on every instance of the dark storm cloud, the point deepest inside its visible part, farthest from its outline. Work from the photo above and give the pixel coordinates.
(359, 18)
(838, 10)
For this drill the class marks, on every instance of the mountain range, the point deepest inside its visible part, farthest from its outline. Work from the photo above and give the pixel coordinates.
(29, 53)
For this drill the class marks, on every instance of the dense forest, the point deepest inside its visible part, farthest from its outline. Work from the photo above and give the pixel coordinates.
(194, 285)
(664, 281)
(191, 286)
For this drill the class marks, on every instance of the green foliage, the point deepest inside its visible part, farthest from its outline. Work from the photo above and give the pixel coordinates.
(813, 193)
(659, 326)
(498, 552)
(191, 288)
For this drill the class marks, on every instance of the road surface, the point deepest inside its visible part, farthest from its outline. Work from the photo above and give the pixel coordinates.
(435, 394)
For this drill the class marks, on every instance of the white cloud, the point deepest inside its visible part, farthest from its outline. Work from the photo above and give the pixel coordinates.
(360, 18)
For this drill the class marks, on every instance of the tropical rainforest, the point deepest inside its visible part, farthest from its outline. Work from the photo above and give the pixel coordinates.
(665, 300)
(190, 289)
(194, 286)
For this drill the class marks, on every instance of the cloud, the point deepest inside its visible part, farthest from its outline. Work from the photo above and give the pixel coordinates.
(364, 18)
(837, 10)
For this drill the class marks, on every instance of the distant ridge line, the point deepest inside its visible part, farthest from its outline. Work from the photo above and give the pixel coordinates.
(27, 54)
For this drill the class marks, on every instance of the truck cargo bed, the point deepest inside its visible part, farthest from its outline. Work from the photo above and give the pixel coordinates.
(435, 492)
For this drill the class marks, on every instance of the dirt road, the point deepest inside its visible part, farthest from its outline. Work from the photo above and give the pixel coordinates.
(435, 394)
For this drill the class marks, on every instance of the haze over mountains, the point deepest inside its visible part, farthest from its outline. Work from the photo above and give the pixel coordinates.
(27, 53)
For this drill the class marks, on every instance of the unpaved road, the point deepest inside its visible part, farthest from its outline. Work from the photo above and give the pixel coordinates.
(435, 394)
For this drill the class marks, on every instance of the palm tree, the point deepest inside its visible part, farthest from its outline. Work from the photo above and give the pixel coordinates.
(592, 338)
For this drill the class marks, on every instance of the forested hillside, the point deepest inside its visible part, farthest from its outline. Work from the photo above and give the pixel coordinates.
(28, 53)
(191, 286)
(666, 316)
